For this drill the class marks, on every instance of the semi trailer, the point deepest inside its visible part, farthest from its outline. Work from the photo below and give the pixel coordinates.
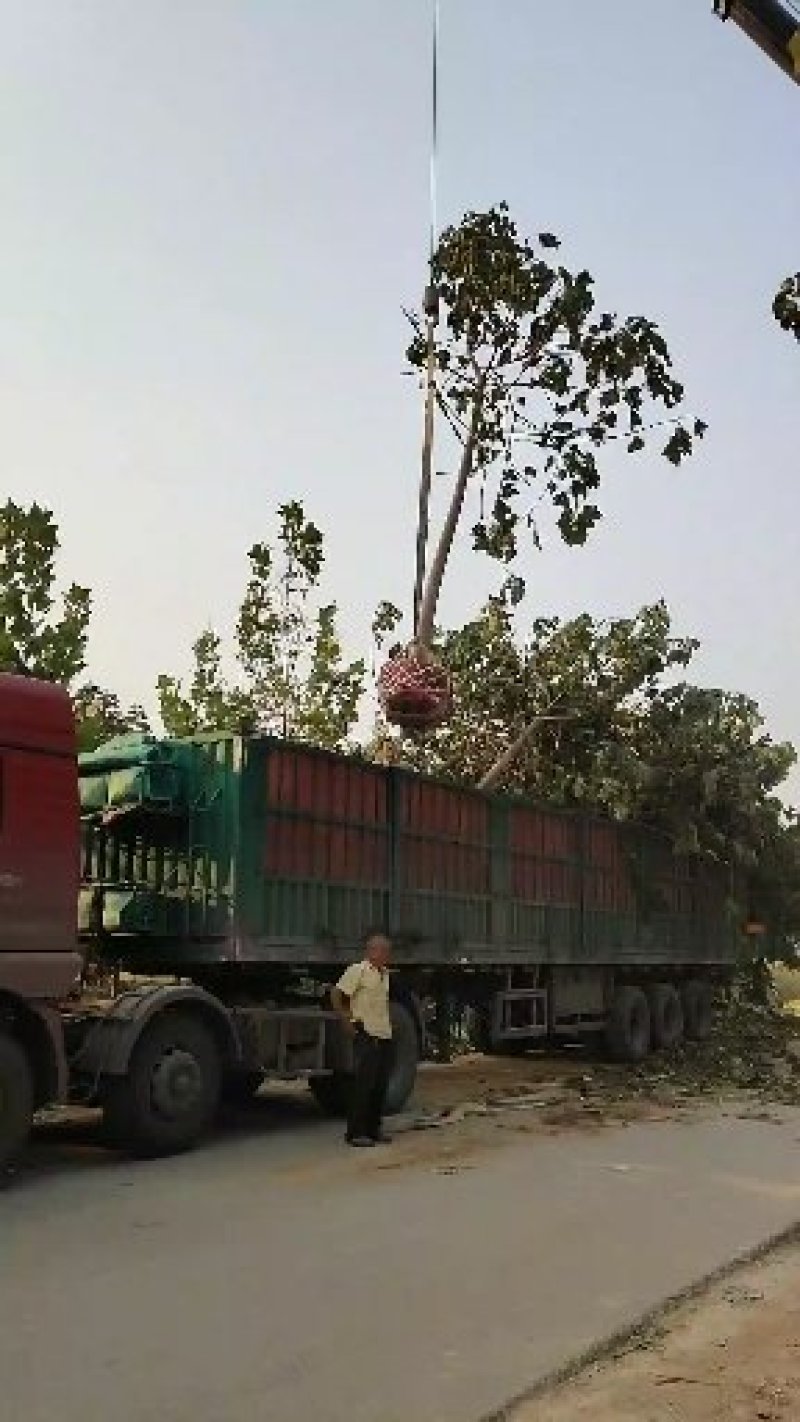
(225, 880)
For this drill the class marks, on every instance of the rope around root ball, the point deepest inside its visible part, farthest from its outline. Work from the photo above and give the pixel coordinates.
(415, 691)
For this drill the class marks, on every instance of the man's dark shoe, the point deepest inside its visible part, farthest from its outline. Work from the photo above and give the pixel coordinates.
(359, 1140)
(382, 1139)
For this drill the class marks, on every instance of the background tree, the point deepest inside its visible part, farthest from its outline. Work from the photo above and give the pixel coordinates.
(612, 731)
(209, 702)
(774, 887)
(45, 635)
(710, 772)
(291, 676)
(786, 306)
(41, 634)
(101, 717)
(532, 381)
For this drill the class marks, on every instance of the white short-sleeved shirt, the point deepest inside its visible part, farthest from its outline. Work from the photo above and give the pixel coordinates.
(368, 991)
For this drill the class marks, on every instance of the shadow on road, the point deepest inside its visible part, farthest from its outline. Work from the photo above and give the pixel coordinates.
(73, 1140)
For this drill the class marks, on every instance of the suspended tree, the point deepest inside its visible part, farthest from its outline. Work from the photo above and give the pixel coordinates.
(530, 382)
(613, 733)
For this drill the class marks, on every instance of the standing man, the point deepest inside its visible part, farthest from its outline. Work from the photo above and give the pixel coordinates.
(361, 998)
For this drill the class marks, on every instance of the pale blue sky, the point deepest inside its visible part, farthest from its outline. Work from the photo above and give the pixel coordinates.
(213, 211)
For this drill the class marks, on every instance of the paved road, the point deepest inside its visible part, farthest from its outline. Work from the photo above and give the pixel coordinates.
(273, 1277)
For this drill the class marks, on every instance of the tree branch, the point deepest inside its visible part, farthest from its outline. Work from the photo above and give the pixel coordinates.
(504, 762)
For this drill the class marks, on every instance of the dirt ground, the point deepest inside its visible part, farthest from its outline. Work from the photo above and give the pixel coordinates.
(488, 1102)
(733, 1355)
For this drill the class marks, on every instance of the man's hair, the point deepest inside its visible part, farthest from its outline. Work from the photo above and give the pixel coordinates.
(376, 932)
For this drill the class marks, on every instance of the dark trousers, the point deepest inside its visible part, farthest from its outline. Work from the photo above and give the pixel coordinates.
(372, 1063)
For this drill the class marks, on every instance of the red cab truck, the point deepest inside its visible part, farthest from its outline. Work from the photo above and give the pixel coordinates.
(39, 867)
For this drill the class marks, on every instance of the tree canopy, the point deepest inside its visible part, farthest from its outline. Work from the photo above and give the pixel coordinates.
(44, 634)
(532, 381)
(101, 717)
(611, 724)
(41, 634)
(289, 675)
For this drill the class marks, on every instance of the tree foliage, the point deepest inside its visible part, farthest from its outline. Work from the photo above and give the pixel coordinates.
(615, 728)
(41, 634)
(786, 306)
(290, 676)
(534, 381)
(579, 683)
(710, 772)
(100, 716)
(208, 702)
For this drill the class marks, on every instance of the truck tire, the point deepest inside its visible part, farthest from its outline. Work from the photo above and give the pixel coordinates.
(628, 1027)
(698, 1009)
(332, 1092)
(406, 1057)
(16, 1100)
(666, 1016)
(169, 1097)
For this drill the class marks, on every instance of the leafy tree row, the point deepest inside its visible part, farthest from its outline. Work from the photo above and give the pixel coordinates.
(608, 717)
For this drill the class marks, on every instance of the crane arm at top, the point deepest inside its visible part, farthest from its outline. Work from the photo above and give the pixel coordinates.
(772, 25)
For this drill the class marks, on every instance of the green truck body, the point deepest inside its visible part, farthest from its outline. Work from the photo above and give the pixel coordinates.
(254, 851)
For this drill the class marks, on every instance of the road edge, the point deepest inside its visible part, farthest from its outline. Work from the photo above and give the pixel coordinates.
(605, 1349)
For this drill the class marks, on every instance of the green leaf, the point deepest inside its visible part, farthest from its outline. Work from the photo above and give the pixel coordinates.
(42, 634)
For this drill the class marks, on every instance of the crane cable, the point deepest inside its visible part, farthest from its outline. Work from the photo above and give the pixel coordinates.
(431, 312)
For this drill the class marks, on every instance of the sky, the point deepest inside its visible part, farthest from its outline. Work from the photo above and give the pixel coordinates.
(214, 212)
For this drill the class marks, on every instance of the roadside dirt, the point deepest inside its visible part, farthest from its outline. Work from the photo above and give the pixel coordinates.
(753, 1056)
(487, 1102)
(733, 1355)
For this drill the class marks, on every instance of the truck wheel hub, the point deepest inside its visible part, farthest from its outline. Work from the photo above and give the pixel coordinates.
(176, 1083)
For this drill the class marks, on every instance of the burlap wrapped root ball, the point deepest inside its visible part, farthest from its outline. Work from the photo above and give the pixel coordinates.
(415, 691)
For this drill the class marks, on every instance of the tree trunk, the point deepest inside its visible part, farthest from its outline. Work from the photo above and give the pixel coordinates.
(427, 470)
(435, 578)
(504, 762)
